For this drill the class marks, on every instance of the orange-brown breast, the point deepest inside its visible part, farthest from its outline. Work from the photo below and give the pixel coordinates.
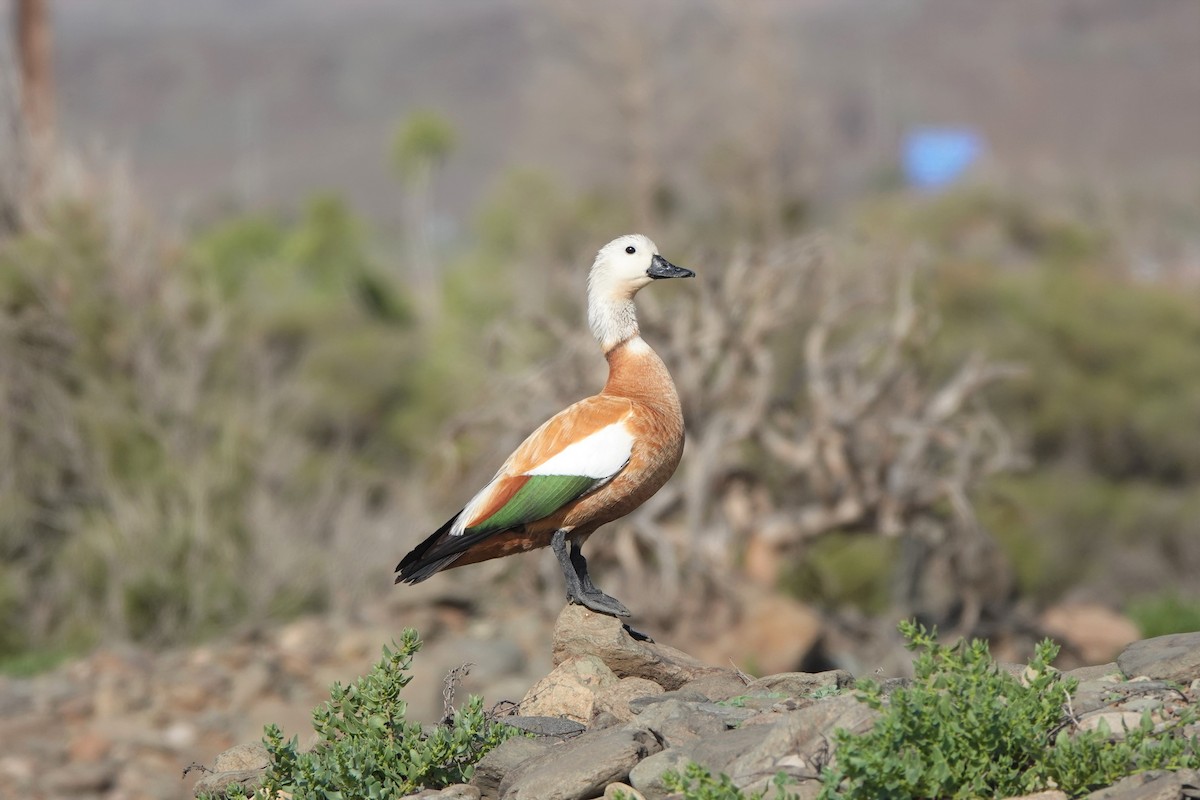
(640, 386)
(637, 374)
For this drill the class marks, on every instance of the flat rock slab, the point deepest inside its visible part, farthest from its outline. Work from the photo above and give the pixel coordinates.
(1174, 657)
(581, 768)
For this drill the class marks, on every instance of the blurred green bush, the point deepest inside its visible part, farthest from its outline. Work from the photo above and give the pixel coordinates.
(190, 431)
(167, 409)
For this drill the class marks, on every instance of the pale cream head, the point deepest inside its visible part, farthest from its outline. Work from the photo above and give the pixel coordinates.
(622, 267)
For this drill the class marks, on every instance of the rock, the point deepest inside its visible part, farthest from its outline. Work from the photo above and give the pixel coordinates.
(717, 686)
(678, 722)
(581, 768)
(611, 791)
(799, 745)
(640, 704)
(1049, 794)
(615, 698)
(801, 684)
(16, 696)
(1095, 632)
(1116, 722)
(243, 764)
(546, 726)
(89, 746)
(1174, 657)
(242, 756)
(603, 720)
(777, 630)
(217, 783)
(460, 791)
(74, 780)
(1157, 784)
(569, 690)
(496, 765)
(1100, 672)
(715, 753)
(580, 632)
(252, 682)
(17, 771)
(179, 736)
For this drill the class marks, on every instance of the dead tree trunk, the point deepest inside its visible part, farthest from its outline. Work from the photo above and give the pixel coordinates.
(36, 65)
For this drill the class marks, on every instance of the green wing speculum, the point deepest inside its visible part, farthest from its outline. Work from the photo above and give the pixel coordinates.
(539, 497)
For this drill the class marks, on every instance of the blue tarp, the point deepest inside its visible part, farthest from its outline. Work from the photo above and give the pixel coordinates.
(935, 158)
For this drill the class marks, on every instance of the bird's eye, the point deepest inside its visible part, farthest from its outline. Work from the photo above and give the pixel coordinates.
(631, 249)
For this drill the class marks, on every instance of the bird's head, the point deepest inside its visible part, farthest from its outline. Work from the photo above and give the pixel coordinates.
(626, 264)
(622, 267)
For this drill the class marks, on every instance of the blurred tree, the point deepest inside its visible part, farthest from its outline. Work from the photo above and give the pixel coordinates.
(35, 57)
(622, 62)
(421, 147)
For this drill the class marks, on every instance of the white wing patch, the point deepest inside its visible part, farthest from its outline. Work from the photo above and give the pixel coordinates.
(598, 456)
(471, 509)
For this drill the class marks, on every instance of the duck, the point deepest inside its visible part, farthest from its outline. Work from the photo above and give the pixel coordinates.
(590, 464)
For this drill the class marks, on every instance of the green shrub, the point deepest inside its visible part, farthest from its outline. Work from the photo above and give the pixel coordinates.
(965, 729)
(697, 783)
(367, 749)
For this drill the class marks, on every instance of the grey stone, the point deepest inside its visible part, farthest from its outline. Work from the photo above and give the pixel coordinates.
(604, 719)
(716, 686)
(16, 696)
(242, 756)
(492, 769)
(678, 722)
(581, 768)
(216, 784)
(1092, 695)
(640, 704)
(713, 752)
(1158, 784)
(545, 726)
(1174, 657)
(1142, 704)
(800, 744)
(801, 684)
(615, 699)
(1095, 672)
(74, 780)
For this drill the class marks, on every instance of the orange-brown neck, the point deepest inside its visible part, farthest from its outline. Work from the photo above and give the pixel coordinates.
(635, 371)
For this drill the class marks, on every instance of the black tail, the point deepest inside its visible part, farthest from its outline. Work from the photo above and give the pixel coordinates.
(427, 558)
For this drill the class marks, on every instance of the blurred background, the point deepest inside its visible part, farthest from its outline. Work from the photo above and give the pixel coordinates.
(281, 283)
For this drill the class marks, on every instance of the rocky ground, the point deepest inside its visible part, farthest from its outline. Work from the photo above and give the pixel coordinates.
(125, 723)
(616, 712)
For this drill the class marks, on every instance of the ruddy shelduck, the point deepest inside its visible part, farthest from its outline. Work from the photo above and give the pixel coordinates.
(590, 464)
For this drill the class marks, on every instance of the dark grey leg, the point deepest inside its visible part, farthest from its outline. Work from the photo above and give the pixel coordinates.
(580, 589)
